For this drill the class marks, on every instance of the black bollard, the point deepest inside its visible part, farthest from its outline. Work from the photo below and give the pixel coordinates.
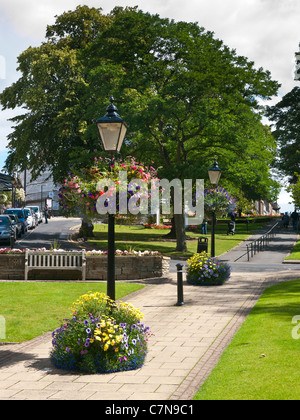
(12, 239)
(179, 285)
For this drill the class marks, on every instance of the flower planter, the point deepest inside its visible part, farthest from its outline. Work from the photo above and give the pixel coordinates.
(203, 270)
(101, 337)
(127, 267)
(131, 267)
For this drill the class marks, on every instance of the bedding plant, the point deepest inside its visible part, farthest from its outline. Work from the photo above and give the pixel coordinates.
(203, 270)
(102, 336)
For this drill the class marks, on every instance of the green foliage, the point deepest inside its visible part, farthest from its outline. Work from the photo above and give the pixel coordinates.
(294, 190)
(286, 117)
(186, 96)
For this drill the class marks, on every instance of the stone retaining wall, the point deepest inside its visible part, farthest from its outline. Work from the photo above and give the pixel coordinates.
(12, 267)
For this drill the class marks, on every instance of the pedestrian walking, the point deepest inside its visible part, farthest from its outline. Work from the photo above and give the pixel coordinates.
(295, 220)
(231, 225)
(285, 220)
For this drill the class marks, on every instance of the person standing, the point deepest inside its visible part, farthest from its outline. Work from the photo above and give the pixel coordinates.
(204, 226)
(46, 213)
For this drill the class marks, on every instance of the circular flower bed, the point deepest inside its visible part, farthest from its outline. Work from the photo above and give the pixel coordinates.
(101, 337)
(203, 270)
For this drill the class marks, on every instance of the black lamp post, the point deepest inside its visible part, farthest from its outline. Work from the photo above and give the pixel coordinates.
(214, 174)
(112, 129)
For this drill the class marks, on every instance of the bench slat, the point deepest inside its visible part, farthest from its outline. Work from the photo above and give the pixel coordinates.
(55, 260)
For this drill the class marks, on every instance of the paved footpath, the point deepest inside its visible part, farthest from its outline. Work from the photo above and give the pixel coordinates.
(187, 343)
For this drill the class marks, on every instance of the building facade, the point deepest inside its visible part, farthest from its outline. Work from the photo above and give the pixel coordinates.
(40, 191)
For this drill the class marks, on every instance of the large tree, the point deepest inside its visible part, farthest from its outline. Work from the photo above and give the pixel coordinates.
(52, 90)
(186, 96)
(286, 129)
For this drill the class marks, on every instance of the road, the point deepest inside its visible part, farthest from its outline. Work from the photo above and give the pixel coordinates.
(57, 229)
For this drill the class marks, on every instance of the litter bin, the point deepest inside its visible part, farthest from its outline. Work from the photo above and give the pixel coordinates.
(202, 244)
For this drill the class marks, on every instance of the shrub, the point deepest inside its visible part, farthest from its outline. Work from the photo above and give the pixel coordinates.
(204, 270)
(101, 337)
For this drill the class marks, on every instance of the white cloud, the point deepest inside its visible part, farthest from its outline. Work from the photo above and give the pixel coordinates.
(265, 31)
(285, 202)
(30, 18)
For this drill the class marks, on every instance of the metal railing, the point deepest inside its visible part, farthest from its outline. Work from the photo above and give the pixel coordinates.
(260, 243)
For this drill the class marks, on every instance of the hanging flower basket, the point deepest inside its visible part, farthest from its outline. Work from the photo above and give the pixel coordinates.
(217, 201)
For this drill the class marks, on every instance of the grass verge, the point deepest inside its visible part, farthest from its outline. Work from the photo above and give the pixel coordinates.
(295, 255)
(31, 309)
(261, 362)
(141, 239)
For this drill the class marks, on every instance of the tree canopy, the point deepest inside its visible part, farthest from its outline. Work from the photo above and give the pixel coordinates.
(286, 129)
(186, 96)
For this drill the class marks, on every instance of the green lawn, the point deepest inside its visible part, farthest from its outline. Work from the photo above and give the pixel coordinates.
(31, 309)
(295, 255)
(141, 239)
(262, 362)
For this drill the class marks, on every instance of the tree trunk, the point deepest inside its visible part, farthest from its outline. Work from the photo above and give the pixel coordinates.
(86, 229)
(172, 233)
(180, 233)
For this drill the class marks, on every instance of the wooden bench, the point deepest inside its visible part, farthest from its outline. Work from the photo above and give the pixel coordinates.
(55, 260)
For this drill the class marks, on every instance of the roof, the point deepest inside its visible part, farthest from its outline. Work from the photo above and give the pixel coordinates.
(7, 182)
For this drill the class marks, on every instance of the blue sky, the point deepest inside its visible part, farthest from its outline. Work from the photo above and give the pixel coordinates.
(265, 31)
(3, 155)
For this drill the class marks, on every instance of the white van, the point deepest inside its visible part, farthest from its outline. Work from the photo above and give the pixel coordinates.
(37, 211)
(30, 217)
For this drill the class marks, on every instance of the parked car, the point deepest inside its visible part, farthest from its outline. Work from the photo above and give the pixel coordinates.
(17, 224)
(21, 215)
(7, 230)
(30, 216)
(37, 211)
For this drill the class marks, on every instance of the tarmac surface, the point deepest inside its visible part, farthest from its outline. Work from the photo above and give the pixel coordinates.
(186, 344)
